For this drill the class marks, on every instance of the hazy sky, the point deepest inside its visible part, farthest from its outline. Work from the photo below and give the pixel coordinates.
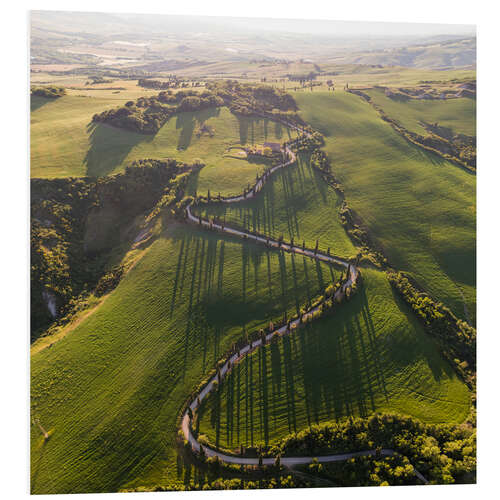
(91, 21)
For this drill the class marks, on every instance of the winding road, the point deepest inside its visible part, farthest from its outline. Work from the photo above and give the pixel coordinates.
(351, 277)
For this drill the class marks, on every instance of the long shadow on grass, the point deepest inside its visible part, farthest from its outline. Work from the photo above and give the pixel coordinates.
(109, 147)
(428, 349)
(187, 123)
(339, 364)
(36, 102)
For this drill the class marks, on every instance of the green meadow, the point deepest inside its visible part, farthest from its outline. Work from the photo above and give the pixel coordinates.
(457, 114)
(419, 208)
(65, 142)
(109, 393)
(370, 355)
(295, 203)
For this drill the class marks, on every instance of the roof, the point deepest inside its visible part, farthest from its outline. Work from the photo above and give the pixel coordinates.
(273, 145)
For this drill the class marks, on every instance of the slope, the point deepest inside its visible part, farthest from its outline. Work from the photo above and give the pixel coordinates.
(419, 207)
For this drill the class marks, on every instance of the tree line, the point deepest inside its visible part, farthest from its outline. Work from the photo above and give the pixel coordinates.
(51, 91)
(148, 114)
(456, 337)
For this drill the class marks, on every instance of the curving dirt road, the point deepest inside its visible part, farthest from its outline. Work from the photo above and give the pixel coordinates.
(352, 276)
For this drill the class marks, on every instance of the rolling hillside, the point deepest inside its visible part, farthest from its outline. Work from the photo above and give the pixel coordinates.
(419, 207)
(371, 355)
(64, 142)
(457, 114)
(295, 203)
(109, 393)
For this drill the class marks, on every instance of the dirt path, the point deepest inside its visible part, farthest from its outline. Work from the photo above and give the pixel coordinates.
(351, 277)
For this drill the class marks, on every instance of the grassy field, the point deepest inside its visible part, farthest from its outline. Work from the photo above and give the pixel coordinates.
(457, 114)
(419, 207)
(64, 142)
(370, 356)
(296, 203)
(110, 391)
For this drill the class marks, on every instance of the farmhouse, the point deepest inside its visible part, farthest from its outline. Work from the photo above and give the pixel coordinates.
(274, 146)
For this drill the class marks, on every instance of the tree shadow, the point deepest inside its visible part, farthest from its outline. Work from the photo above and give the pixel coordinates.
(36, 102)
(187, 123)
(428, 350)
(109, 148)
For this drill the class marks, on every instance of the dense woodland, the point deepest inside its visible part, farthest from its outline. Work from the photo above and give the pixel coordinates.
(77, 223)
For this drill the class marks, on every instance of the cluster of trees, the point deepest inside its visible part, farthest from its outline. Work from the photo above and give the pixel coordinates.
(172, 83)
(94, 80)
(457, 338)
(148, 114)
(248, 99)
(156, 84)
(302, 78)
(50, 91)
(443, 453)
(319, 160)
(395, 470)
(75, 224)
(310, 143)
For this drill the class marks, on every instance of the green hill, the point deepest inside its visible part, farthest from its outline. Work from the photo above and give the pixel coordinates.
(419, 207)
(295, 202)
(457, 114)
(109, 393)
(371, 355)
(64, 142)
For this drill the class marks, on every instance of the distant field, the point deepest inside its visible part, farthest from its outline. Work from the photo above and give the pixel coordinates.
(457, 114)
(110, 391)
(372, 355)
(64, 142)
(296, 203)
(419, 207)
